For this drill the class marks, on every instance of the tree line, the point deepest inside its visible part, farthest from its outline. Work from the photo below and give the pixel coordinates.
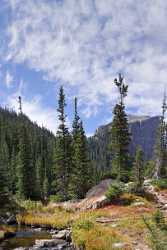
(35, 164)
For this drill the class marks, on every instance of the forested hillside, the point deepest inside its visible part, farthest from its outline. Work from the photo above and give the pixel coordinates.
(25, 145)
(37, 165)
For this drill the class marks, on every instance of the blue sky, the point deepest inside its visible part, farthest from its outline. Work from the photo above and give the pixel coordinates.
(82, 45)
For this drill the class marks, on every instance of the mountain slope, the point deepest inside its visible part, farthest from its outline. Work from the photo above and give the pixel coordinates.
(143, 133)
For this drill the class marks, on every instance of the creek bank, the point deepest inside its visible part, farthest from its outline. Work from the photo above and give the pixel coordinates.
(29, 238)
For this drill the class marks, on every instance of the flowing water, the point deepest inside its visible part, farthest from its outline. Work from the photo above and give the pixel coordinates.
(25, 237)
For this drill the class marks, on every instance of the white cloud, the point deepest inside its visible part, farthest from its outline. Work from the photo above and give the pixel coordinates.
(8, 79)
(85, 43)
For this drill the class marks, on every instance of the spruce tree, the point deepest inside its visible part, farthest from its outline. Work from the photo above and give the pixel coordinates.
(139, 169)
(4, 177)
(120, 136)
(62, 155)
(80, 178)
(161, 146)
(26, 174)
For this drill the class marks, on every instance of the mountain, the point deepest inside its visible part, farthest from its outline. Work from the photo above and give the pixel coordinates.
(143, 133)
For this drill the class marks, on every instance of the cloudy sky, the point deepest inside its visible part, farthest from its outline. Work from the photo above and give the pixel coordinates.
(82, 45)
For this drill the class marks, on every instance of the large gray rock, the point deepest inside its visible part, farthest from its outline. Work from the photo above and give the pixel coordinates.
(95, 197)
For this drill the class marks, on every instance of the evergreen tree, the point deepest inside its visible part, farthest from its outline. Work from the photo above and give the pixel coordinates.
(161, 146)
(37, 145)
(26, 174)
(80, 178)
(139, 169)
(62, 151)
(4, 177)
(120, 136)
(45, 188)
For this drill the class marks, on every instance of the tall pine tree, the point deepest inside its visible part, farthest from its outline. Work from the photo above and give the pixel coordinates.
(4, 176)
(161, 146)
(62, 156)
(139, 169)
(25, 168)
(120, 136)
(80, 177)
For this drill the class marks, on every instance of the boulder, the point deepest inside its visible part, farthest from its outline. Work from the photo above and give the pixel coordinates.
(51, 243)
(63, 234)
(11, 220)
(95, 197)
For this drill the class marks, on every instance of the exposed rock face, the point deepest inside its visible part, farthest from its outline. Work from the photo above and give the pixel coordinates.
(143, 133)
(95, 198)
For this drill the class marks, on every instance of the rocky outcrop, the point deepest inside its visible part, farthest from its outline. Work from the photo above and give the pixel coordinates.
(143, 131)
(160, 197)
(95, 197)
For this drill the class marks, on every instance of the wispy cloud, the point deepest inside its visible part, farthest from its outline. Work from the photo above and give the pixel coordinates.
(35, 110)
(85, 43)
(8, 79)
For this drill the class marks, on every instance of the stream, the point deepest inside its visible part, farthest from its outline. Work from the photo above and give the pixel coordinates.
(25, 237)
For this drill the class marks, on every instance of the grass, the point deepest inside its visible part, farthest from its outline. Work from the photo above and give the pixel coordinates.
(160, 184)
(2, 234)
(59, 219)
(5, 231)
(87, 232)
(89, 235)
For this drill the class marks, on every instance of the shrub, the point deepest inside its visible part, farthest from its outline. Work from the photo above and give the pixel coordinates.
(161, 183)
(158, 233)
(159, 219)
(114, 191)
(31, 205)
(84, 224)
(54, 198)
(127, 199)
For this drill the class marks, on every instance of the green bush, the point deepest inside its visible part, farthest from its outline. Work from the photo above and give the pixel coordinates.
(161, 183)
(159, 219)
(84, 224)
(114, 191)
(54, 198)
(157, 230)
(31, 205)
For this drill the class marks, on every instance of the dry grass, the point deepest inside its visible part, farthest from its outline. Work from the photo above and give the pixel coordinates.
(87, 233)
(59, 219)
(4, 230)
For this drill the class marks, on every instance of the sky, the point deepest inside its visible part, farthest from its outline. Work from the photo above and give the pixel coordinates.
(82, 45)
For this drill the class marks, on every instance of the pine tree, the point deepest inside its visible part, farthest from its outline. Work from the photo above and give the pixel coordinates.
(62, 151)
(26, 174)
(161, 146)
(80, 178)
(4, 177)
(120, 136)
(139, 169)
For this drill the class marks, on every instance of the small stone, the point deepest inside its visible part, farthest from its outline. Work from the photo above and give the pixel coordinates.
(138, 204)
(114, 225)
(50, 243)
(63, 234)
(11, 220)
(119, 245)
